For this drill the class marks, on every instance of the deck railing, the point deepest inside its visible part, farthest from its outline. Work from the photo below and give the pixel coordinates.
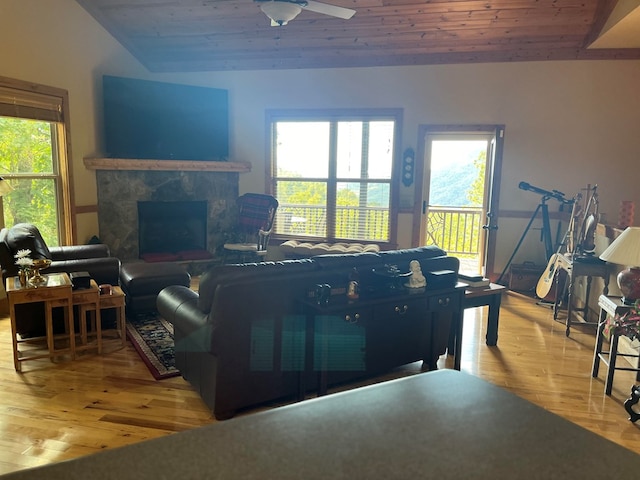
(370, 223)
(454, 229)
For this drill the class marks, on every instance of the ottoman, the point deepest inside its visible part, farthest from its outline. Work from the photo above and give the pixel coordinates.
(141, 282)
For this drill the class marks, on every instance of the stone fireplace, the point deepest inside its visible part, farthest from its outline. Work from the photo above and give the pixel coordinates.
(121, 191)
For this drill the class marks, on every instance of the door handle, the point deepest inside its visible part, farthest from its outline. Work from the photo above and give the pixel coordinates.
(488, 226)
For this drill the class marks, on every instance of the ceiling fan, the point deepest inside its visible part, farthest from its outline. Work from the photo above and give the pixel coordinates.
(282, 12)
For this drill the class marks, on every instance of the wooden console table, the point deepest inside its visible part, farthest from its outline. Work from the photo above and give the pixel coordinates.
(379, 332)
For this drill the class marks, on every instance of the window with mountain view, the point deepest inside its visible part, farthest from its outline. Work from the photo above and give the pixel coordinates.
(333, 177)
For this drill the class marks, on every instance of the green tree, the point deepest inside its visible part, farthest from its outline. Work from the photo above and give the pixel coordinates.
(26, 154)
(475, 194)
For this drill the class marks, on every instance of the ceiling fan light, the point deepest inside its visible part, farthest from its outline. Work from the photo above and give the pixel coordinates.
(280, 13)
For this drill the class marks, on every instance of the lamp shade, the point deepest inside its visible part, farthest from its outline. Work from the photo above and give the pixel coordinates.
(280, 12)
(625, 250)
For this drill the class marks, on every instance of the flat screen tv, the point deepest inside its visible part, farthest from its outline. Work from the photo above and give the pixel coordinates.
(165, 121)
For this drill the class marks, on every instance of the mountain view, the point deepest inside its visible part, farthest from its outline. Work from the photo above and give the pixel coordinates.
(450, 184)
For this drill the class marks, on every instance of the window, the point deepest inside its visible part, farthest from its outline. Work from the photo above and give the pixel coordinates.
(33, 158)
(333, 175)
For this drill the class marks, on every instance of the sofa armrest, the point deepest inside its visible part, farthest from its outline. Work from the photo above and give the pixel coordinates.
(75, 252)
(179, 305)
(102, 269)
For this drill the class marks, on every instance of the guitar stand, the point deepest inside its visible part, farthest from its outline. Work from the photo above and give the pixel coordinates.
(545, 234)
(545, 303)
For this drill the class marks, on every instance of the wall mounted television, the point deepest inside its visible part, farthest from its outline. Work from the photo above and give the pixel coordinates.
(156, 120)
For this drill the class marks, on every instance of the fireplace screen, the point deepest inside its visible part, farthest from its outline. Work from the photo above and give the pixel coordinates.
(172, 230)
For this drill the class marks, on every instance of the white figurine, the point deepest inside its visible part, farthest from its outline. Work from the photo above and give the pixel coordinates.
(417, 279)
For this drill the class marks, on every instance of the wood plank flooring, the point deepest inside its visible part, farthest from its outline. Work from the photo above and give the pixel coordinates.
(58, 411)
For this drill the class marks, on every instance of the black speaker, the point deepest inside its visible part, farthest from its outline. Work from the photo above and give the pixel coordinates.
(80, 280)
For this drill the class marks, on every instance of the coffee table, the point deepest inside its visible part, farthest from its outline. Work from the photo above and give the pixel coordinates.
(55, 293)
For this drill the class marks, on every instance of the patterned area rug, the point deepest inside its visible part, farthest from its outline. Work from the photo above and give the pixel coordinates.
(152, 337)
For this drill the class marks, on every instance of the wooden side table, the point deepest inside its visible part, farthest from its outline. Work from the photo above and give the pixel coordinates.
(578, 267)
(610, 306)
(490, 296)
(55, 293)
(116, 299)
(88, 301)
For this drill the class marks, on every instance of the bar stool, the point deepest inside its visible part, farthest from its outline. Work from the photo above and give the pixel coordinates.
(611, 306)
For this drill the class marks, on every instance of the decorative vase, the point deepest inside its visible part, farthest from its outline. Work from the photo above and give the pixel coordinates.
(22, 276)
(625, 215)
(36, 277)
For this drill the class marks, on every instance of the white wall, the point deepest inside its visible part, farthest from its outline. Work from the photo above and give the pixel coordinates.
(568, 124)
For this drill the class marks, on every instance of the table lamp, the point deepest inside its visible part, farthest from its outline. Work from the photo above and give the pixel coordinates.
(625, 250)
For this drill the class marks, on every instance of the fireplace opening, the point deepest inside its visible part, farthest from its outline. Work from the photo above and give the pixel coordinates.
(172, 231)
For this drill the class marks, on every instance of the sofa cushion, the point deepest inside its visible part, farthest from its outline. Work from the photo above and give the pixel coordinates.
(26, 236)
(294, 248)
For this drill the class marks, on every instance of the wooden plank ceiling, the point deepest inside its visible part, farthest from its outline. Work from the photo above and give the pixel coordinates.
(206, 35)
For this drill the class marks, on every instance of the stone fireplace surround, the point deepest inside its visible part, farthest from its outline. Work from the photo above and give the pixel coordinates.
(120, 189)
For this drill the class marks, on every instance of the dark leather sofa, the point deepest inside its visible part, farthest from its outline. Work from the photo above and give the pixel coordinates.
(245, 339)
(95, 259)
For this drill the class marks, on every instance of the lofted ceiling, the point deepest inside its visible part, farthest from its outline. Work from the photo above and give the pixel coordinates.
(207, 35)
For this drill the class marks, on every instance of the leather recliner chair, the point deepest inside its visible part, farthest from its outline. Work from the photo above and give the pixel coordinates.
(94, 259)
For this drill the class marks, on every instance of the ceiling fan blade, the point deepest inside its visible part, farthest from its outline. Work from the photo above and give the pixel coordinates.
(326, 9)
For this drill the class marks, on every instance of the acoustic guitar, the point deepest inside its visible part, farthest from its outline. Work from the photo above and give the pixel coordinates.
(545, 288)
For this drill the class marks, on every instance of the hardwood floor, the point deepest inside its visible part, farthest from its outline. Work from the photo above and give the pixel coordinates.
(58, 411)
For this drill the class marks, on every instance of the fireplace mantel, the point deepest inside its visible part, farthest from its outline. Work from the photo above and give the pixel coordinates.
(167, 165)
